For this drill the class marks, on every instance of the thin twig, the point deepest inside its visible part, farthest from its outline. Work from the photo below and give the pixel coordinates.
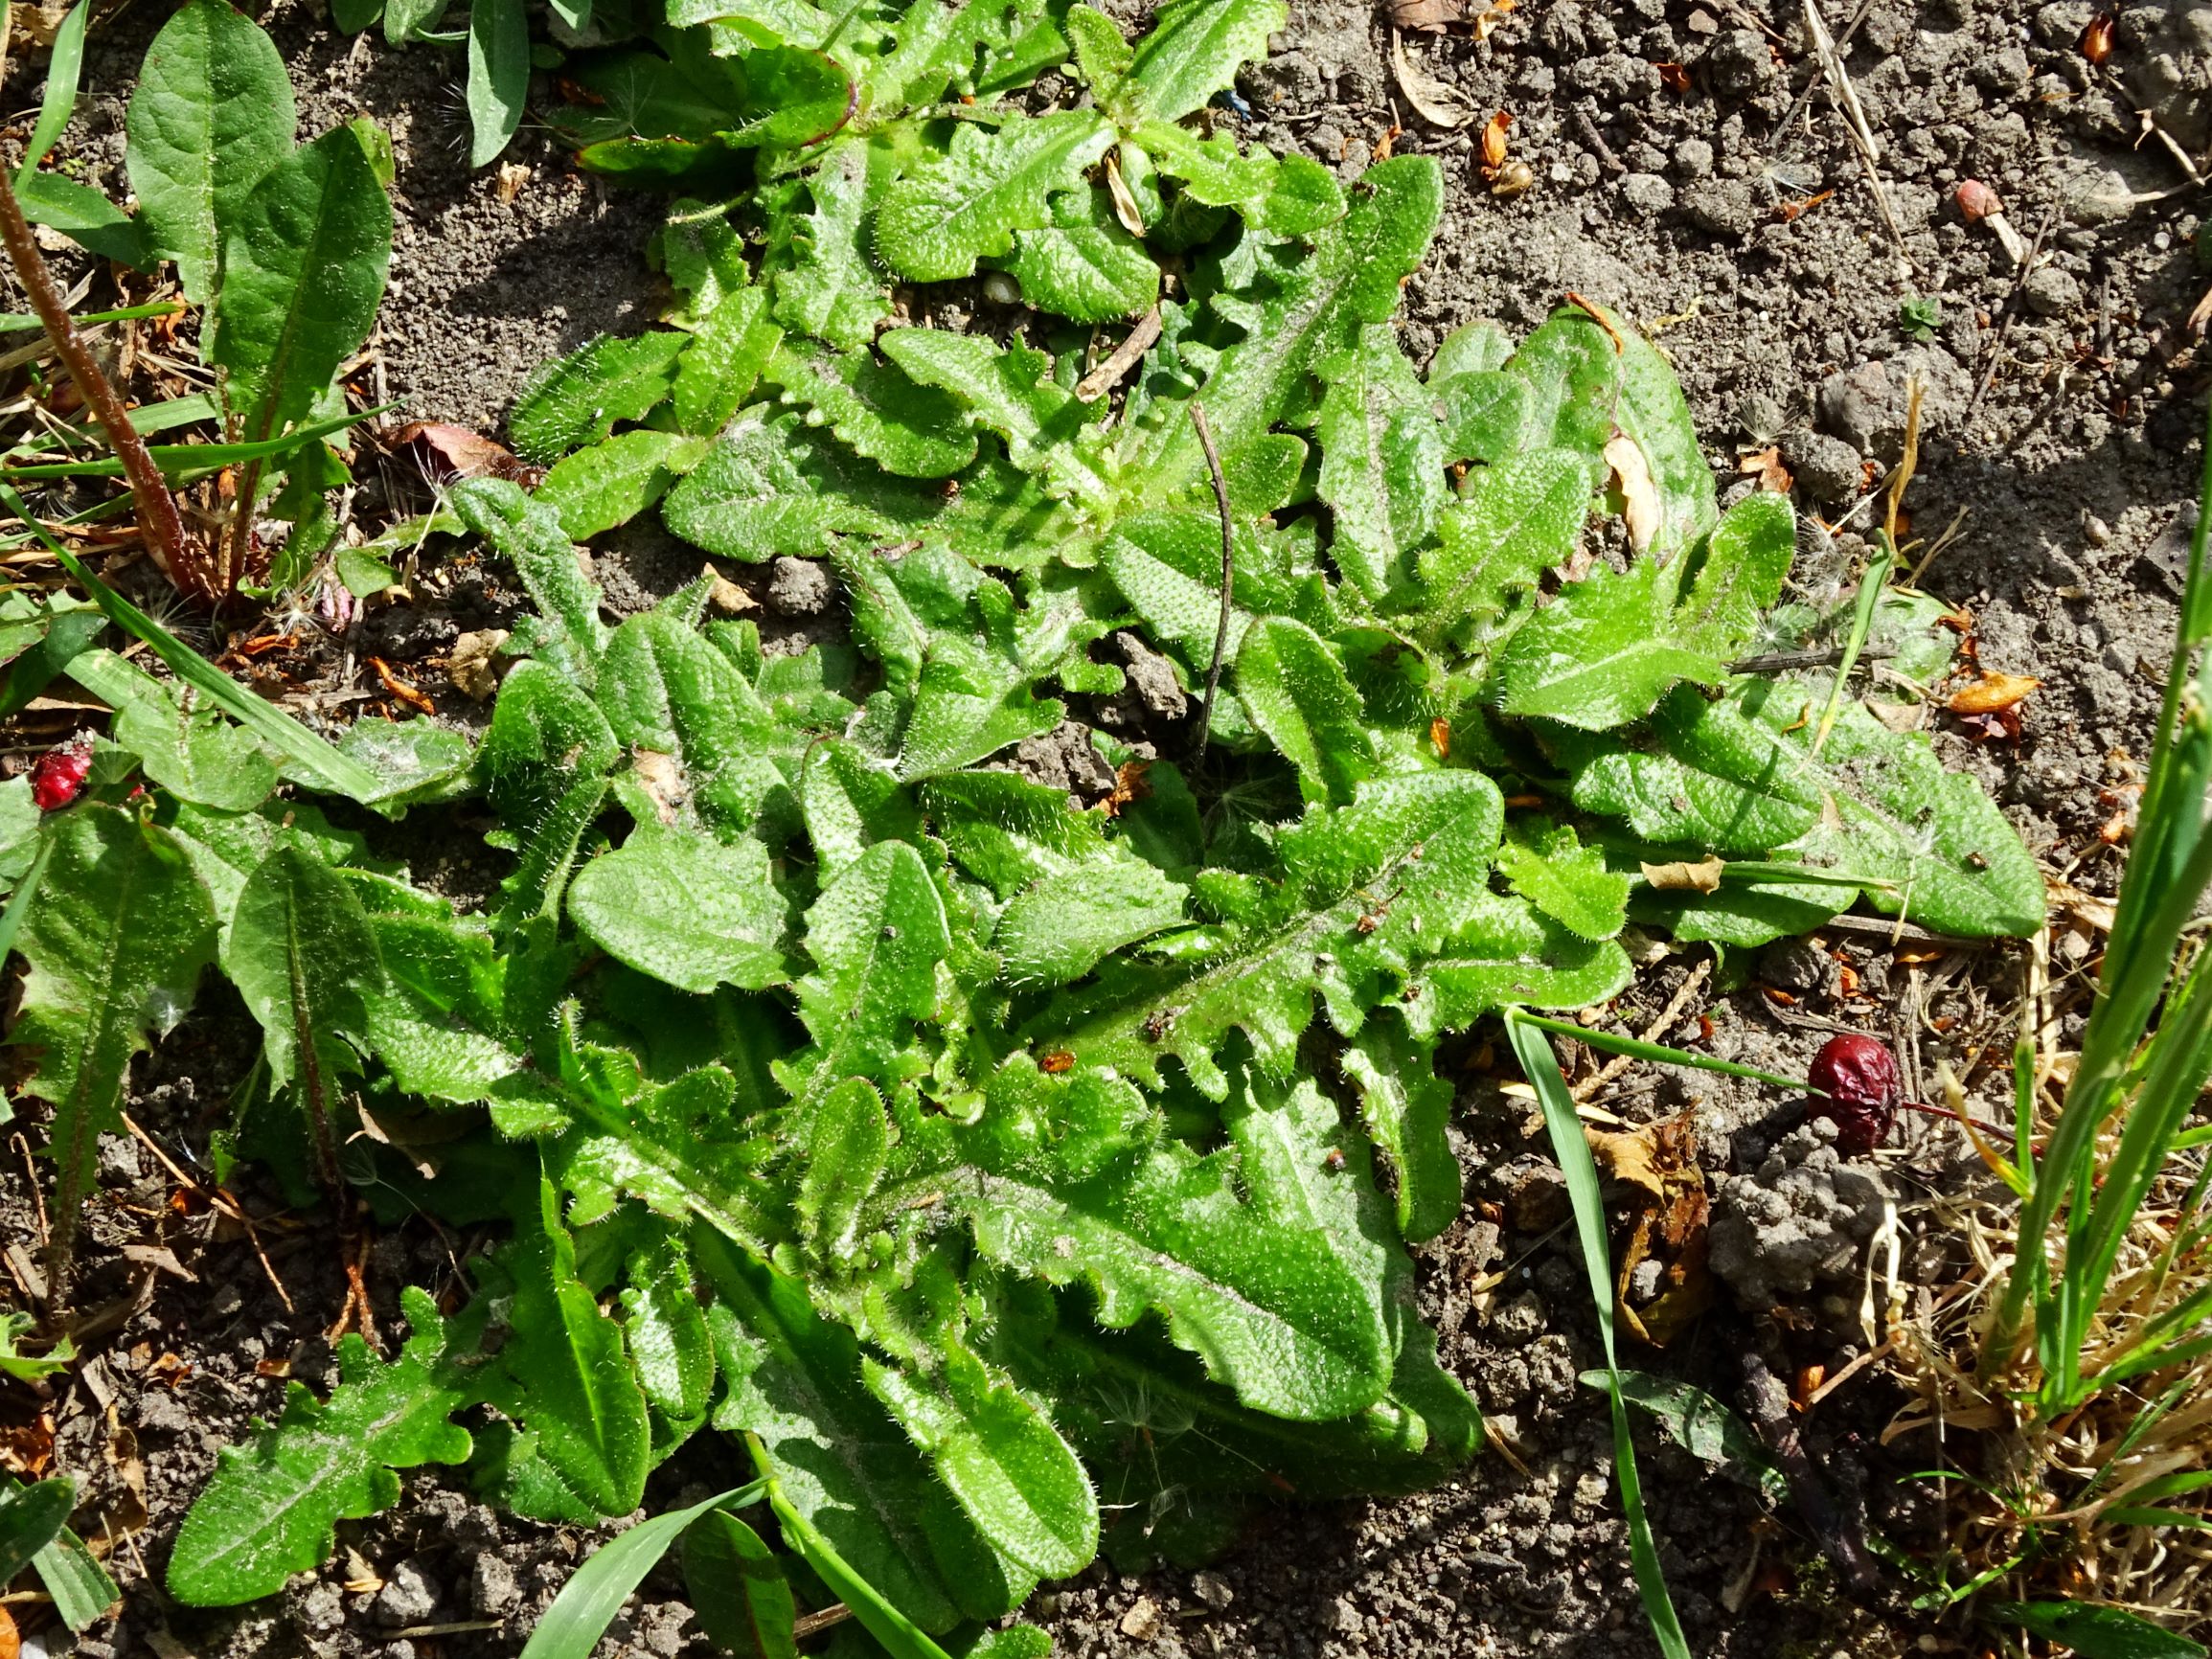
(1125, 356)
(1840, 45)
(1840, 89)
(1597, 141)
(2011, 310)
(1228, 571)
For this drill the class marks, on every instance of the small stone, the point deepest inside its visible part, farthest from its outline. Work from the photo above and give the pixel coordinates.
(1723, 206)
(1213, 1590)
(1540, 1201)
(1693, 159)
(1523, 1319)
(1739, 65)
(1142, 1622)
(1827, 469)
(409, 1597)
(1648, 194)
(797, 588)
(2051, 292)
(1001, 290)
(492, 1589)
(118, 1163)
(2098, 533)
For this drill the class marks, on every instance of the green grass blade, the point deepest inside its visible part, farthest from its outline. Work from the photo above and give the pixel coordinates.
(62, 70)
(1637, 1049)
(26, 894)
(336, 772)
(23, 321)
(902, 1638)
(588, 1603)
(189, 461)
(1870, 586)
(1573, 1152)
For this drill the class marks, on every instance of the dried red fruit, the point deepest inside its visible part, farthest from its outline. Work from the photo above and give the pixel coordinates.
(1976, 201)
(1859, 1081)
(59, 777)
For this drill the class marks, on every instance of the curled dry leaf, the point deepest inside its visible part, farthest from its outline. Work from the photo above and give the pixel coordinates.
(472, 663)
(1993, 694)
(512, 176)
(1428, 16)
(1673, 76)
(1494, 134)
(1435, 102)
(446, 453)
(2096, 38)
(1658, 1163)
(1631, 476)
(1685, 876)
(11, 1642)
(1766, 465)
(1126, 209)
(726, 595)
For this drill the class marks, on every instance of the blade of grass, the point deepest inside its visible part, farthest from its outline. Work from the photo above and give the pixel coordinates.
(2155, 901)
(1541, 1068)
(22, 321)
(26, 894)
(899, 1635)
(339, 773)
(187, 460)
(1870, 587)
(62, 70)
(1635, 1048)
(588, 1603)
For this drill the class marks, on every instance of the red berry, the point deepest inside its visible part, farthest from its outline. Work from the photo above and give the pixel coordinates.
(1859, 1080)
(59, 777)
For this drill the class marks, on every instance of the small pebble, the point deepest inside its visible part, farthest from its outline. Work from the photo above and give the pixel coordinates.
(1142, 1622)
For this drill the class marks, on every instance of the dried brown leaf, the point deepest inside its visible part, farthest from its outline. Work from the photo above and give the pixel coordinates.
(1639, 494)
(1429, 17)
(1435, 102)
(1494, 134)
(1993, 694)
(472, 663)
(1684, 876)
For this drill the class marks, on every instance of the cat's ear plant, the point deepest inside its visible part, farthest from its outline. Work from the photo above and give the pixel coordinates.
(281, 249)
(1016, 1179)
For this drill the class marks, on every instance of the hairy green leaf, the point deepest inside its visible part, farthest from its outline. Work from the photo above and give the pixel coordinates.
(687, 910)
(611, 483)
(909, 430)
(115, 944)
(498, 76)
(1195, 49)
(580, 399)
(273, 1505)
(562, 1372)
(1381, 460)
(1406, 1106)
(935, 224)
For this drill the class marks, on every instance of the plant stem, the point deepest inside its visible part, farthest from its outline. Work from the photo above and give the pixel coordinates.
(157, 515)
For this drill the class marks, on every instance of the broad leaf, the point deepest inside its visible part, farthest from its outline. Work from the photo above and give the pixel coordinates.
(211, 115)
(737, 1590)
(685, 909)
(1195, 49)
(302, 272)
(1381, 460)
(580, 399)
(935, 224)
(116, 942)
(272, 1508)
(498, 76)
